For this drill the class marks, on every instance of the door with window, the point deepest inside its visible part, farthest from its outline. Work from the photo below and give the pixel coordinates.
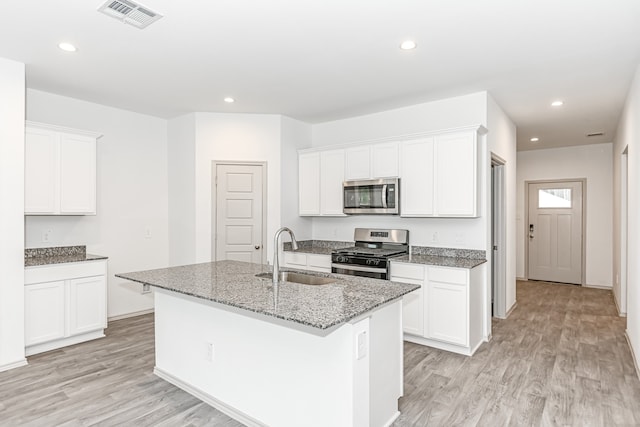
(555, 231)
(239, 212)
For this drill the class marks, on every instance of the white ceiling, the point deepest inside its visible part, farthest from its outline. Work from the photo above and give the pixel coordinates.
(329, 59)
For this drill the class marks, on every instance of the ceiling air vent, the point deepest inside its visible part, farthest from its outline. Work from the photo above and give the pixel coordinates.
(595, 134)
(129, 12)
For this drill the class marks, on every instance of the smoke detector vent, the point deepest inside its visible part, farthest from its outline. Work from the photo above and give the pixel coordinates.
(129, 12)
(595, 134)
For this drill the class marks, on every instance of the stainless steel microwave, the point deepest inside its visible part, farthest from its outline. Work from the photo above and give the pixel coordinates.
(372, 196)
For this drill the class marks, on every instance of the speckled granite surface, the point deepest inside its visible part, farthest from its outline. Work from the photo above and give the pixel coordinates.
(234, 283)
(320, 247)
(444, 257)
(441, 261)
(58, 255)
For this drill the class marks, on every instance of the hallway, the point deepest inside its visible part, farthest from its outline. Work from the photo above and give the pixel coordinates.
(561, 358)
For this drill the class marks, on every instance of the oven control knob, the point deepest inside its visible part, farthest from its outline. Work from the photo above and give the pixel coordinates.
(342, 259)
(373, 261)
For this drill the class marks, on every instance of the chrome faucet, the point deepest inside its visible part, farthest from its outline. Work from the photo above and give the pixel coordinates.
(276, 264)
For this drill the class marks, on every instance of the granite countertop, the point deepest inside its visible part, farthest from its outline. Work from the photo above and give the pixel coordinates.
(318, 247)
(440, 261)
(58, 255)
(233, 283)
(442, 257)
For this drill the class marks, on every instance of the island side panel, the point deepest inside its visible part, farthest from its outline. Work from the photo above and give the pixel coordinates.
(259, 372)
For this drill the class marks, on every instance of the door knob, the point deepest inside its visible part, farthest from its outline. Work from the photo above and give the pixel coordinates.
(257, 246)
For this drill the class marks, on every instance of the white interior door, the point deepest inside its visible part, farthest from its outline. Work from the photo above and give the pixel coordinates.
(555, 231)
(239, 210)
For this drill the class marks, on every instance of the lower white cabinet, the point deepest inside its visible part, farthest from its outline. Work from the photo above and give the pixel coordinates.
(303, 261)
(65, 304)
(447, 312)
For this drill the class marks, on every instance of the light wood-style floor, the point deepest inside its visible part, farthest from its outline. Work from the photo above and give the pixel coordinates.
(560, 359)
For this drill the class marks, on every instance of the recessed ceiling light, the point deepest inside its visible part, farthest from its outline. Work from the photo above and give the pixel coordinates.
(229, 100)
(408, 45)
(557, 103)
(67, 47)
(534, 139)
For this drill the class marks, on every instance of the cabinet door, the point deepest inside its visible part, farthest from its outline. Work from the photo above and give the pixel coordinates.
(447, 314)
(455, 161)
(416, 193)
(87, 304)
(357, 163)
(77, 174)
(384, 160)
(40, 171)
(316, 262)
(331, 179)
(309, 184)
(295, 260)
(413, 302)
(44, 312)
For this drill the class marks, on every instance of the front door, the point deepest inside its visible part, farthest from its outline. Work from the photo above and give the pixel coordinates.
(555, 231)
(239, 211)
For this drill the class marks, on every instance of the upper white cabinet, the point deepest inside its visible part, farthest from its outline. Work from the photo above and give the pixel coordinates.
(60, 170)
(439, 175)
(371, 161)
(321, 175)
(309, 184)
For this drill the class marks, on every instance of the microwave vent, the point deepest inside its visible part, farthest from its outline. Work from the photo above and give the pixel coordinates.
(129, 12)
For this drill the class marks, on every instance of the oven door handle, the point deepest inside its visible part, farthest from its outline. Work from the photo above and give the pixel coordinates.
(358, 268)
(384, 196)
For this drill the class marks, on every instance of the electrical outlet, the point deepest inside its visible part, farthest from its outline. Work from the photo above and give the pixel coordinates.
(147, 233)
(434, 238)
(46, 236)
(361, 351)
(209, 352)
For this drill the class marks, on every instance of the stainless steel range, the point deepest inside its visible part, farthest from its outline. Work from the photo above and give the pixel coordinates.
(372, 253)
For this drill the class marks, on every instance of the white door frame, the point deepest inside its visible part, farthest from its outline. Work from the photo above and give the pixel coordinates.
(584, 223)
(498, 238)
(214, 198)
(624, 215)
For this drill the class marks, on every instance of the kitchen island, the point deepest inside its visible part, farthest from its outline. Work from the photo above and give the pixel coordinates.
(313, 355)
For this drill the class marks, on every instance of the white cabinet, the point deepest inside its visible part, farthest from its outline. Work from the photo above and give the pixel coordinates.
(44, 306)
(371, 161)
(65, 304)
(448, 305)
(416, 184)
(60, 170)
(447, 312)
(303, 261)
(413, 302)
(321, 175)
(309, 184)
(440, 175)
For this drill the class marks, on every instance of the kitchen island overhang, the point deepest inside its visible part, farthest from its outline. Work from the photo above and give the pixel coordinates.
(308, 361)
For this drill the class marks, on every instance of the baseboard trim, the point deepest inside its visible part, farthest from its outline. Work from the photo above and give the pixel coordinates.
(513, 307)
(134, 314)
(13, 365)
(633, 355)
(208, 399)
(615, 301)
(522, 279)
(598, 287)
(63, 342)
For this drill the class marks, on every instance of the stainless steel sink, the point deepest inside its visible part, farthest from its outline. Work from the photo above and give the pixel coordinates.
(304, 279)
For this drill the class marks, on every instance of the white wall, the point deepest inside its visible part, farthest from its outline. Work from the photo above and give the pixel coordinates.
(234, 137)
(628, 136)
(501, 141)
(433, 116)
(182, 189)
(12, 100)
(132, 194)
(593, 162)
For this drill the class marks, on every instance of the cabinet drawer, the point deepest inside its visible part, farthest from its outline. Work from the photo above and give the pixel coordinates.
(49, 273)
(408, 271)
(319, 261)
(293, 258)
(448, 275)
